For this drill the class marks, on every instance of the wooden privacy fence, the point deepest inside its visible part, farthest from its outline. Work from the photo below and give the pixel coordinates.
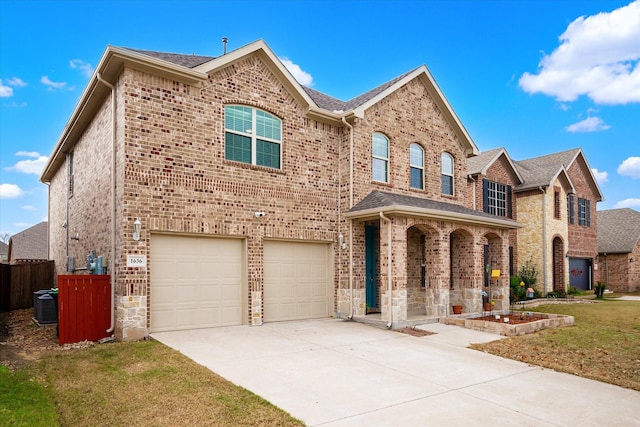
(84, 307)
(18, 282)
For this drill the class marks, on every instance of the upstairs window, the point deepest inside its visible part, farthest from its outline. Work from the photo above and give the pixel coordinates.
(379, 158)
(496, 198)
(416, 162)
(556, 204)
(584, 212)
(252, 136)
(570, 209)
(447, 173)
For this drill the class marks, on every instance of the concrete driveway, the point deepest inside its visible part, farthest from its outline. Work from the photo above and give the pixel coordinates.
(340, 373)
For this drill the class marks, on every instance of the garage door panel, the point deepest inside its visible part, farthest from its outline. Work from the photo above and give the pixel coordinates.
(196, 282)
(296, 284)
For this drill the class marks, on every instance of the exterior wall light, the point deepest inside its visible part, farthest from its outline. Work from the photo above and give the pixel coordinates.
(137, 227)
(341, 241)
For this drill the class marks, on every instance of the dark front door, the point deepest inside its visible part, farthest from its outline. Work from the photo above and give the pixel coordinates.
(579, 272)
(371, 264)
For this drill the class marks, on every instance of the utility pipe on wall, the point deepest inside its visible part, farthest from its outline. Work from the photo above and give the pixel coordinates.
(389, 269)
(544, 240)
(113, 197)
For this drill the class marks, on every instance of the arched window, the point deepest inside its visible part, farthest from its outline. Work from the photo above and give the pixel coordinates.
(252, 136)
(379, 158)
(416, 164)
(447, 173)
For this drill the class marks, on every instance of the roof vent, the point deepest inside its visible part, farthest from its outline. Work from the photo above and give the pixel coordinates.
(224, 45)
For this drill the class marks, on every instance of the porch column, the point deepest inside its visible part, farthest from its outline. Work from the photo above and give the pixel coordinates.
(398, 269)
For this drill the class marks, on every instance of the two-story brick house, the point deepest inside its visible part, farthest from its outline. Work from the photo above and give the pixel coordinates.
(222, 192)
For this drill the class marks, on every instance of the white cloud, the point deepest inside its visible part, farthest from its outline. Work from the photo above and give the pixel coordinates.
(10, 191)
(601, 177)
(29, 208)
(5, 91)
(79, 64)
(630, 167)
(28, 154)
(590, 124)
(598, 56)
(627, 203)
(52, 85)
(29, 166)
(22, 225)
(16, 82)
(301, 76)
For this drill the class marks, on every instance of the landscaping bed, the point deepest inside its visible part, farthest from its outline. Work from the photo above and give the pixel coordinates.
(513, 324)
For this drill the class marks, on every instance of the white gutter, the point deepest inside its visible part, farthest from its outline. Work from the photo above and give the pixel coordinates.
(350, 222)
(113, 197)
(389, 270)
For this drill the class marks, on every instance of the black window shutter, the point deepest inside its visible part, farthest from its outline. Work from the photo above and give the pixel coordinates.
(588, 213)
(485, 195)
(509, 210)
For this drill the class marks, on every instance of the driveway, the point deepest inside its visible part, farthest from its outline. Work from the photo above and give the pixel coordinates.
(338, 373)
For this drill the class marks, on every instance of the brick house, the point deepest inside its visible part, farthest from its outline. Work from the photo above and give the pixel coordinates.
(222, 192)
(619, 249)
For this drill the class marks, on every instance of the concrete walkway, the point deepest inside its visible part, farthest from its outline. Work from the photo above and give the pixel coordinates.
(340, 373)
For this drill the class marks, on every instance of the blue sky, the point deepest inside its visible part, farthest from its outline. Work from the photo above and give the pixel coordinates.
(533, 76)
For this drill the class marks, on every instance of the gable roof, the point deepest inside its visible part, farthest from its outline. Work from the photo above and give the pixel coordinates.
(618, 230)
(4, 249)
(480, 164)
(194, 69)
(30, 244)
(400, 204)
(542, 171)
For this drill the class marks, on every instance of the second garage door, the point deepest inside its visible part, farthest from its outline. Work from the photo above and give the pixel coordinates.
(196, 282)
(297, 281)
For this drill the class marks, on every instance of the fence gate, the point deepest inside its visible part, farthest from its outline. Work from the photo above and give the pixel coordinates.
(84, 307)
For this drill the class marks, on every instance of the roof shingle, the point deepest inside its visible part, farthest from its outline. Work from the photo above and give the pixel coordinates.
(618, 230)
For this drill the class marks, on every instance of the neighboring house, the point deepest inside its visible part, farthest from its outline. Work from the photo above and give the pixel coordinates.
(4, 252)
(30, 245)
(555, 197)
(557, 201)
(619, 249)
(222, 192)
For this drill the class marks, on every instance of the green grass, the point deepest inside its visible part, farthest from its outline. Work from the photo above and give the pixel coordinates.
(147, 383)
(603, 345)
(25, 401)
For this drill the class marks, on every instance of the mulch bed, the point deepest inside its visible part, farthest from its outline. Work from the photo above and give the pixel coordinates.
(415, 332)
(514, 319)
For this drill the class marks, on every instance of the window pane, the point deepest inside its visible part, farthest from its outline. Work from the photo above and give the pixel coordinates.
(237, 147)
(267, 125)
(447, 164)
(416, 156)
(447, 184)
(237, 118)
(416, 178)
(268, 154)
(380, 146)
(379, 172)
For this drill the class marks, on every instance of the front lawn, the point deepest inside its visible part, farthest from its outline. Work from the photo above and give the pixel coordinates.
(603, 345)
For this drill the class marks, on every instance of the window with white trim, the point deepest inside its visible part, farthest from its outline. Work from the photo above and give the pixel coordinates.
(496, 198)
(416, 166)
(447, 173)
(379, 158)
(252, 136)
(584, 212)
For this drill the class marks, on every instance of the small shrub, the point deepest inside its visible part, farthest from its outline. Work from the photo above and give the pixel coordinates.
(516, 292)
(529, 274)
(574, 291)
(599, 290)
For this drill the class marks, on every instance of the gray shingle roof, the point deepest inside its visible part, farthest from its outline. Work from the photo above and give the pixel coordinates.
(479, 163)
(618, 230)
(31, 243)
(382, 199)
(539, 171)
(189, 61)
(322, 100)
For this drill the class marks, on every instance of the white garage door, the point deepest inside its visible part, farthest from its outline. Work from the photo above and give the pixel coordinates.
(196, 282)
(296, 281)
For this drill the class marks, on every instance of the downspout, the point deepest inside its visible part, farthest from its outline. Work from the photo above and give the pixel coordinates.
(389, 270)
(544, 240)
(66, 219)
(113, 197)
(350, 221)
